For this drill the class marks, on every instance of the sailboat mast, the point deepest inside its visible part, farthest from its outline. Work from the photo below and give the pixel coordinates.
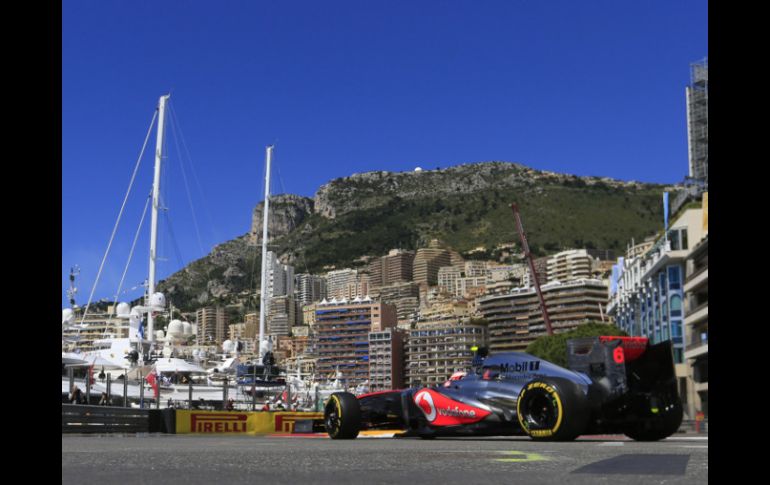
(263, 298)
(155, 205)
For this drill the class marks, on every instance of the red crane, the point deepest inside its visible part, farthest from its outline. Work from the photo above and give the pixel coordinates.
(528, 255)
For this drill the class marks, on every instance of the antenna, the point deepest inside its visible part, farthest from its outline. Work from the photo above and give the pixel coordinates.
(74, 271)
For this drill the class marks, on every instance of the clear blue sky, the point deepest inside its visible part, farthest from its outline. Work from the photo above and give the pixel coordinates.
(589, 88)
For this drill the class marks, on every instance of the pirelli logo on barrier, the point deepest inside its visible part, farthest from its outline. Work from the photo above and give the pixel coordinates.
(284, 422)
(218, 423)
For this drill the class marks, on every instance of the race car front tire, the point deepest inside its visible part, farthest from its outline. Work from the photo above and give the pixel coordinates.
(342, 416)
(552, 409)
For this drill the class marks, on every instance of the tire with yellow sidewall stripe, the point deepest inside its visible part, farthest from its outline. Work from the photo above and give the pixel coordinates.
(552, 409)
(342, 416)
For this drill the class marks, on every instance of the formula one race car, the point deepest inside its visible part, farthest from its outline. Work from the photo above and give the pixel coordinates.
(613, 385)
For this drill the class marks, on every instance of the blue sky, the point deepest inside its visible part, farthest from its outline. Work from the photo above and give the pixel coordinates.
(589, 88)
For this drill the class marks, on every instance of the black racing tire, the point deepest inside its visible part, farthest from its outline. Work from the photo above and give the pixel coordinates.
(342, 416)
(659, 426)
(552, 409)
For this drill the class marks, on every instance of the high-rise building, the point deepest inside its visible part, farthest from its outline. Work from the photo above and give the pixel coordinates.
(569, 265)
(437, 350)
(341, 335)
(697, 94)
(405, 297)
(337, 282)
(280, 277)
(212, 325)
(309, 288)
(427, 262)
(281, 315)
(386, 359)
(395, 267)
(515, 319)
(696, 321)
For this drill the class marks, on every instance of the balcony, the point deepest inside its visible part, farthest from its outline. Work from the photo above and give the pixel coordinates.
(697, 313)
(696, 279)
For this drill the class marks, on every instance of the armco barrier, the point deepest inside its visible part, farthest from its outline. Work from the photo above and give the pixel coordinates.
(106, 419)
(77, 418)
(240, 422)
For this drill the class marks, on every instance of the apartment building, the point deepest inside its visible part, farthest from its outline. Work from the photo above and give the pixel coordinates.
(395, 267)
(341, 336)
(696, 321)
(516, 320)
(436, 350)
(386, 359)
(211, 324)
(646, 295)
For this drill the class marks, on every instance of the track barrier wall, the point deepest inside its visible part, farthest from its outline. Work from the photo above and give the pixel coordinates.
(107, 419)
(241, 422)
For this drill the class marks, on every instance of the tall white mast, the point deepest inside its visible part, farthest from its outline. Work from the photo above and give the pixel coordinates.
(155, 205)
(263, 298)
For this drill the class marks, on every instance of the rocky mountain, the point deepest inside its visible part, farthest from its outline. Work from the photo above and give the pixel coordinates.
(466, 206)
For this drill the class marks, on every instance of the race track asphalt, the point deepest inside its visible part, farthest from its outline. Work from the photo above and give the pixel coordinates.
(195, 459)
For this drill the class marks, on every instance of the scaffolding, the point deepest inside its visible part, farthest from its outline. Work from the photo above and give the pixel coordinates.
(698, 120)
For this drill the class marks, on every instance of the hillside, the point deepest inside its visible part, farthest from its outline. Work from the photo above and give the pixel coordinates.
(465, 206)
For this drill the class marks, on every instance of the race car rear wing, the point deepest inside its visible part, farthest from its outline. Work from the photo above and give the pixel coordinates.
(623, 364)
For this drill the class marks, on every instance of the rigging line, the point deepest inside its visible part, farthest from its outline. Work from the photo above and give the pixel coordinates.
(174, 241)
(213, 227)
(291, 217)
(130, 255)
(117, 222)
(187, 188)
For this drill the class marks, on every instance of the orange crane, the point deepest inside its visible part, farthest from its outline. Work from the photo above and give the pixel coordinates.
(528, 255)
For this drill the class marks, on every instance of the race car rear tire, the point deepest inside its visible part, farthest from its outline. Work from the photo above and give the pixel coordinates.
(552, 409)
(659, 426)
(342, 416)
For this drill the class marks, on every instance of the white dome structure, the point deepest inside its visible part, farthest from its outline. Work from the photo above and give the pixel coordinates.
(124, 310)
(158, 300)
(187, 328)
(67, 316)
(175, 329)
(418, 169)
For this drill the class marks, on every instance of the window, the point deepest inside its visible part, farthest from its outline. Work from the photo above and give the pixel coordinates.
(673, 238)
(673, 278)
(676, 306)
(678, 239)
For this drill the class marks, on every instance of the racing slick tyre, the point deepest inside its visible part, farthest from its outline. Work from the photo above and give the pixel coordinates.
(662, 424)
(342, 416)
(552, 409)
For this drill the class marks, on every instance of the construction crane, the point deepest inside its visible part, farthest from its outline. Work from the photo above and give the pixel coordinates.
(528, 255)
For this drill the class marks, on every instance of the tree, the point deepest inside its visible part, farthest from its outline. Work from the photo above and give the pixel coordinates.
(553, 348)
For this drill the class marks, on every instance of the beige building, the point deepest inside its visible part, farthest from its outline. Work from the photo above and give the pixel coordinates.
(281, 316)
(338, 282)
(395, 267)
(212, 325)
(574, 264)
(515, 319)
(386, 359)
(427, 262)
(696, 323)
(436, 350)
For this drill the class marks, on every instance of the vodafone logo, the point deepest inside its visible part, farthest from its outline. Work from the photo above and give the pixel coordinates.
(441, 410)
(424, 401)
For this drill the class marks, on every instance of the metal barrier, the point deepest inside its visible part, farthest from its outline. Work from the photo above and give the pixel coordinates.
(106, 419)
